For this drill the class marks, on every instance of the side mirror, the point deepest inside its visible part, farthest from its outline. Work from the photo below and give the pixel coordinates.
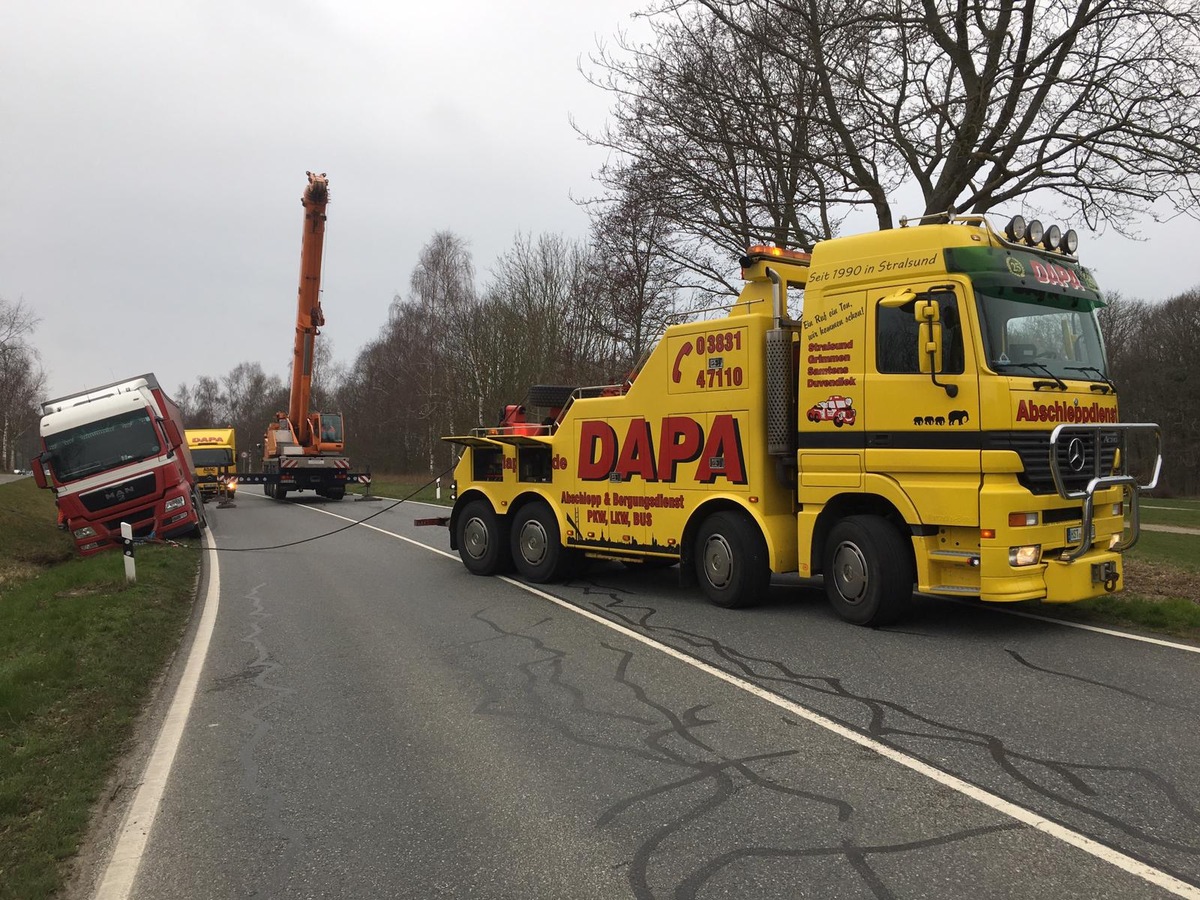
(927, 312)
(39, 474)
(899, 298)
(929, 336)
(173, 434)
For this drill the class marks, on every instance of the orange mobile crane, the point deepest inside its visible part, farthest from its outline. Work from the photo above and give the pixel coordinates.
(302, 450)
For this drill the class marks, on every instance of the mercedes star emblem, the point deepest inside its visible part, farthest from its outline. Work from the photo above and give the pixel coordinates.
(1075, 455)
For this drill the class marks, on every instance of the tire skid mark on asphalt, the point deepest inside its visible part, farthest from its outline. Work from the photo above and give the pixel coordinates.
(1115, 688)
(1006, 759)
(708, 778)
(1021, 814)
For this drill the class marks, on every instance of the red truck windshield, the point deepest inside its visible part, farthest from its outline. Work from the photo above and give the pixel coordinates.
(106, 444)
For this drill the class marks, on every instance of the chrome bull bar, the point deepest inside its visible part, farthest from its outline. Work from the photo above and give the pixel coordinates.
(1081, 449)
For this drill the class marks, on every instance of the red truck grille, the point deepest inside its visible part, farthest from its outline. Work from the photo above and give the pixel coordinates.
(116, 494)
(145, 516)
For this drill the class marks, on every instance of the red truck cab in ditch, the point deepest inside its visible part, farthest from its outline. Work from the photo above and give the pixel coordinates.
(116, 453)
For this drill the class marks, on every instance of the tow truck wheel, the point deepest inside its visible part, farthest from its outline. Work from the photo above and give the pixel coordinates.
(731, 560)
(482, 539)
(868, 571)
(537, 549)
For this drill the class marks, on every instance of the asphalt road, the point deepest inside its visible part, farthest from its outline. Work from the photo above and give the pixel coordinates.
(372, 721)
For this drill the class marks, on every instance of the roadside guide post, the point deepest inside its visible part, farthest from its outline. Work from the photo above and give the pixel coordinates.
(127, 543)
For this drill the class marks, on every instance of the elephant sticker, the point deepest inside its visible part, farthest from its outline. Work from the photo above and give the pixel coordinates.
(956, 417)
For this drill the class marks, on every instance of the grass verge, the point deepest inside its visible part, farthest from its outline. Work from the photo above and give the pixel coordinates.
(1185, 513)
(79, 652)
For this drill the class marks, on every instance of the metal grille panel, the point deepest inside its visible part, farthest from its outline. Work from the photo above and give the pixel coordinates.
(781, 428)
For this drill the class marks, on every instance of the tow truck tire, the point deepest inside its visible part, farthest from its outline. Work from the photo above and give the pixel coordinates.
(482, 539)
(537, 549)
(731, 560)
(868, 571)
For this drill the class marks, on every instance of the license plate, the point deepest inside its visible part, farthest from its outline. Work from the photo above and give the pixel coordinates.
(1075, 533)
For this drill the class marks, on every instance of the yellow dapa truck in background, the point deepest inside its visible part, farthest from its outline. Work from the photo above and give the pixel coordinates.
(939, 417)
(214, 451)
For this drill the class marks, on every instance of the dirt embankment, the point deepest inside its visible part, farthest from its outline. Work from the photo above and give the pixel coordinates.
(1156, 581)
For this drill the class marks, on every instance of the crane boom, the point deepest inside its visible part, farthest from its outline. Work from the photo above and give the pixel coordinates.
(309, 317)
(302, 449)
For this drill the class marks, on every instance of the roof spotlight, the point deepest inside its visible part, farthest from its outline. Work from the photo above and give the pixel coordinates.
(1015, 229)
(1053, 236)
(1070, 242)
(1034, 235)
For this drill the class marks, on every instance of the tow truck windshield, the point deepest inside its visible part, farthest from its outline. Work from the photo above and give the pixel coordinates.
(1045, 335)
(99, 446)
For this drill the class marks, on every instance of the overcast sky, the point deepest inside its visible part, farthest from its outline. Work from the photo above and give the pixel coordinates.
(154, 156)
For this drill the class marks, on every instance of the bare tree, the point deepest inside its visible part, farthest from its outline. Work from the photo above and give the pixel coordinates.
(204, 405)
(724, 138)
(443, 280)
(251, 399)
(22, 383)
(1092, 107)
(1153, 348)
(639, 279)
(549, 285)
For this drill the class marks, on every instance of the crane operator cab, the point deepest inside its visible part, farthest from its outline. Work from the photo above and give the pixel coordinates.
(331, 428)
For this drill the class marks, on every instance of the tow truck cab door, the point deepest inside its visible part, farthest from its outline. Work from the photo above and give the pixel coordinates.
(923, 418)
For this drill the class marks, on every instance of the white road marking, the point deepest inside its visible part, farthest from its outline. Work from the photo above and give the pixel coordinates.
(122, 868)
(993, 801)
(1190, 648)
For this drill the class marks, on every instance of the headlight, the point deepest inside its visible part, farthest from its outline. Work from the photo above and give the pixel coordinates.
(176, 503)
(86, 531)
(1024, 556)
